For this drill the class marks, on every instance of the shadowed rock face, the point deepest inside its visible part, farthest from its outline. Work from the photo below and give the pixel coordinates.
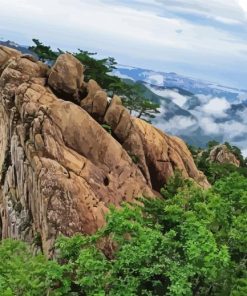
(60, 169)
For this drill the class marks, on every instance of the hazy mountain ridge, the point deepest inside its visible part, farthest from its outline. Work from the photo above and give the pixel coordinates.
(173, 80)
(210, 111)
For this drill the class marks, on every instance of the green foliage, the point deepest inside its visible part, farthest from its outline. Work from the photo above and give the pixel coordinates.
(135, 158)
(22, 274)
(45, 53)
(98, 69)
(191, 242)
(173, 185)
(212, 144)
(107, 128)
(214, 170)
(134, 100)
(237, 152)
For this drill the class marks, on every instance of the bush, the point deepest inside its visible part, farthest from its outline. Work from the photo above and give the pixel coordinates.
(23, 274)
(191, 242)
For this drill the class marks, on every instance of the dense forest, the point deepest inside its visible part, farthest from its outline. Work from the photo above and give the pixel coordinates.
(187, 241)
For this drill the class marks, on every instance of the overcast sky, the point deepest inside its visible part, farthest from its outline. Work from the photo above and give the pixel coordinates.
(205, 39)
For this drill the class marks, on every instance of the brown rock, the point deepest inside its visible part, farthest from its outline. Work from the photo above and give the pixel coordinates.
(164, 154)
(6, 54)
(68, 171)
(125, 132)
(60, 170)
(95, 103)
(221, 154)
(66, 77)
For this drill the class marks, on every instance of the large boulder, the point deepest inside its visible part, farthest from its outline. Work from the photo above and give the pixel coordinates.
(66, 77)
(96, 101)
(60, 169)
(123, 128)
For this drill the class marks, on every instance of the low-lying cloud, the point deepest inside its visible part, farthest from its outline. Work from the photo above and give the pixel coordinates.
(216, 107)
(177, 125)
(213, 117)
(173, 95)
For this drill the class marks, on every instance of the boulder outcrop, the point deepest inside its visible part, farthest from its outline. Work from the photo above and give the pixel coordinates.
(59, 168)
(66, 77)
(222, 154)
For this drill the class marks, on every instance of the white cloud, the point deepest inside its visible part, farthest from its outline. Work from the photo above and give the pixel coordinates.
(206, 117)
(177, 124)
(209, 126)
(227, 12)
(244, 151)
(232, 129)
(153, 78)
(216, 107)
(243, 5)
(120, 75)
(243, 115)
(176, 97)
(145, 35)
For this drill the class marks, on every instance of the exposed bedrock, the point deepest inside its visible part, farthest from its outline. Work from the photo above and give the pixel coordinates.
(59, 168)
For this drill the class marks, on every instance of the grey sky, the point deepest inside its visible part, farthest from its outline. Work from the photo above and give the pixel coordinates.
(203, 39)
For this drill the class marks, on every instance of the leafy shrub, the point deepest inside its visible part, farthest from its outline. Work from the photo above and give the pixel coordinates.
(193, 242)
(107, 128)
(23, 274)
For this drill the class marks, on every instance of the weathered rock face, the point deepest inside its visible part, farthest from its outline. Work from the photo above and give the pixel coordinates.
(164, 154)
(222, 154)
(60, 169)
(66, 77)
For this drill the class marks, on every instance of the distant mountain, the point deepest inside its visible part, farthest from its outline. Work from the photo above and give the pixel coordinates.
(173, 80)
(171, 108)
(193, 109)
(24, 49)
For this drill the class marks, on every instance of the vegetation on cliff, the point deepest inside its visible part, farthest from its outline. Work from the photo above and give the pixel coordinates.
(190, 242)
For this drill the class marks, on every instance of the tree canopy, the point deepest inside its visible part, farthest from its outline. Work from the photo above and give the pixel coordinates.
(190, 242)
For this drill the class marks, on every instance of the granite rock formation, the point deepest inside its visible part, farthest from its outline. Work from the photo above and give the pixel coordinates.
(222, 154)
(59, 168)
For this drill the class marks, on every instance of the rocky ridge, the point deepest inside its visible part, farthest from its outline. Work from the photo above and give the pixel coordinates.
(59, 168)
(222, 154)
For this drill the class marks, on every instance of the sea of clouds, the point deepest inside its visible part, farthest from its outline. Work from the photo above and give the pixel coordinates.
(213, 115)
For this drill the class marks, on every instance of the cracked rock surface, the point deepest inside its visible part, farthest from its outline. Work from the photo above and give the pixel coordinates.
(59, 168)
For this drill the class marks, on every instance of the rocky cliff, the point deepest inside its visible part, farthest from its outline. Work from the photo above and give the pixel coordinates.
(222, 154)
(60, 168)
